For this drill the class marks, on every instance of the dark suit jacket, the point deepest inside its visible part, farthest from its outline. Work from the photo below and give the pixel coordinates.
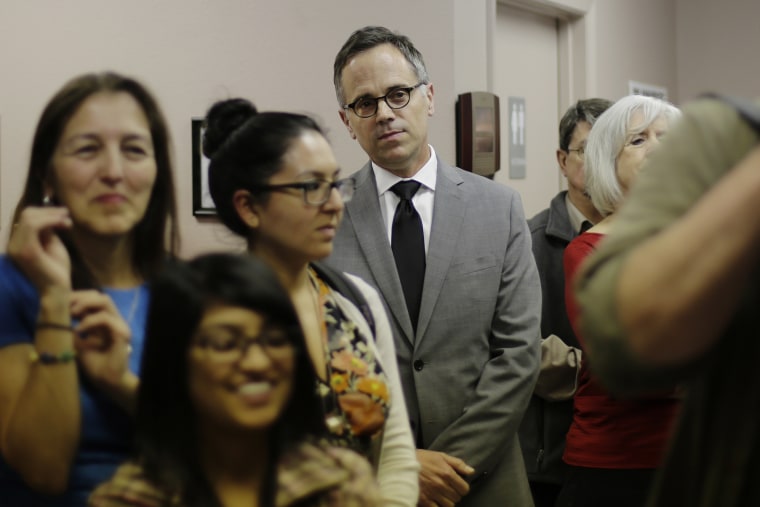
(543, 430)
(469, 371)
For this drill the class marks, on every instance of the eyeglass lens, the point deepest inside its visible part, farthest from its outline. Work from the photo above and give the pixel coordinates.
(395, 99)
(321, 194)
(227, 347)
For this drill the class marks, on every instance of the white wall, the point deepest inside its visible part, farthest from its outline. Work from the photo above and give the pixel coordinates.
(279, 53)
(526, 66)
(596, 48)
(632, 40)
(717, 47)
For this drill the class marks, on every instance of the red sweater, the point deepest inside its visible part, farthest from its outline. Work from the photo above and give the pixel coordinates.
(609, 432)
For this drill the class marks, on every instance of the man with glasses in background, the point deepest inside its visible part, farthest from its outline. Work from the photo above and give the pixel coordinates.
(543, 430)
(449, 251)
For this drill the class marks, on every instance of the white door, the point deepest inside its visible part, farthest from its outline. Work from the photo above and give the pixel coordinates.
(526, 65)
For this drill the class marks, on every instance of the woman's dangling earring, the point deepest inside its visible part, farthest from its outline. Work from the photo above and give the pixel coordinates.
(47, 201)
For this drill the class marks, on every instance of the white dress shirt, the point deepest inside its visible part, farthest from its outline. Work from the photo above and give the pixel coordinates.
(422, 200)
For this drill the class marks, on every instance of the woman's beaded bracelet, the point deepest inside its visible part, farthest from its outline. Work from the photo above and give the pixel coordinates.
(46, 358)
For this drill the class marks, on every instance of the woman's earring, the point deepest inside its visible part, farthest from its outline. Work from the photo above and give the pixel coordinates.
(47, 201)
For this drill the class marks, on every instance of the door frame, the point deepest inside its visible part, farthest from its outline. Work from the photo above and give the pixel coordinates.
(576, 23)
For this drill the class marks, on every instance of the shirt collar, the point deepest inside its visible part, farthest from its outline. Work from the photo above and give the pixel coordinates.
(576, 217)
(427, 174)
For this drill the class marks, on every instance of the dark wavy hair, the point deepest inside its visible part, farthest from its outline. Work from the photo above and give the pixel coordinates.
(245, 149)
(166, 437)
(156, 233)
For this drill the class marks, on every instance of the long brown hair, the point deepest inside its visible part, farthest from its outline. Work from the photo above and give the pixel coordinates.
(156, 233)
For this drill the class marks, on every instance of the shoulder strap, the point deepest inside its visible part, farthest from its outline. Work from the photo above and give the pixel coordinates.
(747, 109)
(348, 289)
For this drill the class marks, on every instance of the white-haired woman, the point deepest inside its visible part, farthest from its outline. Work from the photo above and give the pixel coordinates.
(614, 445)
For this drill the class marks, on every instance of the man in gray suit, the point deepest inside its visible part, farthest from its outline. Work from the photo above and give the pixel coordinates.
(469, 360)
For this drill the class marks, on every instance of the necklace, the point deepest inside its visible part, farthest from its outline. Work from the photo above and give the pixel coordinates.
(314, 292)
(130, 316)
(133, 306)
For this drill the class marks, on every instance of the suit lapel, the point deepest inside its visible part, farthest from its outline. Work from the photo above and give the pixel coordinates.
(363, 212)
(448, 215)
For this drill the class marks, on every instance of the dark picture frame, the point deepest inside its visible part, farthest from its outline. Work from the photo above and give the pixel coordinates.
(203, 205)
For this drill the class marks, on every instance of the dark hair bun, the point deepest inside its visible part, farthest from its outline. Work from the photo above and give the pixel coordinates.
(222, 120)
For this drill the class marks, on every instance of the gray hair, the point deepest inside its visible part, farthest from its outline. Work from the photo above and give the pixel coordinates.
(367, 38)
(607, 139)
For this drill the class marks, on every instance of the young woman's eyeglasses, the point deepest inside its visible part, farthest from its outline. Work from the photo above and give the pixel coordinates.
(397, 98)
(225, 345)
(316, 192)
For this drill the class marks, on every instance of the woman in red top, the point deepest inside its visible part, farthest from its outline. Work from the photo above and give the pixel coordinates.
(613, 445)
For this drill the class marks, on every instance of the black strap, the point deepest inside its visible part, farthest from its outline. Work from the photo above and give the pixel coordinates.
(747, 109)
(341, 283)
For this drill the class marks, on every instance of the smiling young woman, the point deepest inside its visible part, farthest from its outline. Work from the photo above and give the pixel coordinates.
(227, 413)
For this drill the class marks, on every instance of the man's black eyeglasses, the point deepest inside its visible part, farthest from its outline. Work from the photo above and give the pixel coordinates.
(397, 98)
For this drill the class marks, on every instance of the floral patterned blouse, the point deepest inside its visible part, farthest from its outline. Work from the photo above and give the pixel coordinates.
(357, 398)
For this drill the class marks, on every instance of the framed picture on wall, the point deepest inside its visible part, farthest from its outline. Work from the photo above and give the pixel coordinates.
(203, 205)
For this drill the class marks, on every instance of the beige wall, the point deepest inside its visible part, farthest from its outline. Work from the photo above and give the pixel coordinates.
(589, 52)
(717, 47)
(526, 66)
(632, 40)
(279, 53)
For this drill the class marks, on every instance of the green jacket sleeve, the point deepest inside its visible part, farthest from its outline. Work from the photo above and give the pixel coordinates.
(699, 149)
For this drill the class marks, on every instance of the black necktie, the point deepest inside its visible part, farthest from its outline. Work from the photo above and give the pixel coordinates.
(586, 225)
(408, 245)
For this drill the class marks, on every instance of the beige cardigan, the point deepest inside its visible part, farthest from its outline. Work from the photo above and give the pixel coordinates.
(398, 468)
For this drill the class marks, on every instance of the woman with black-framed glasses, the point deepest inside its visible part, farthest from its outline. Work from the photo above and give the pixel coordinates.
(275, 182)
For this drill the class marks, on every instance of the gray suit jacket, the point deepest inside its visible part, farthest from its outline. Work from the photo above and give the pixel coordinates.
(469, 371)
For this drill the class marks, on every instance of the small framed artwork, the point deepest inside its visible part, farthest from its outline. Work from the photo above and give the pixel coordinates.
(203, 205)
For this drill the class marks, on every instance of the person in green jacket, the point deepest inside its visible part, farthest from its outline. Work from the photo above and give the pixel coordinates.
(671, 297)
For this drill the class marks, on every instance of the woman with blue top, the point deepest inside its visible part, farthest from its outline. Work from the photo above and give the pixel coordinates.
(96, 221)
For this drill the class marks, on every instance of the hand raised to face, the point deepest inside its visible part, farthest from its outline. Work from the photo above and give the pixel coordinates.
(35, 247)
(102, 339)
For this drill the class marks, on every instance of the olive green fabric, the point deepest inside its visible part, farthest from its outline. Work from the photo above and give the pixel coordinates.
(713, 460)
